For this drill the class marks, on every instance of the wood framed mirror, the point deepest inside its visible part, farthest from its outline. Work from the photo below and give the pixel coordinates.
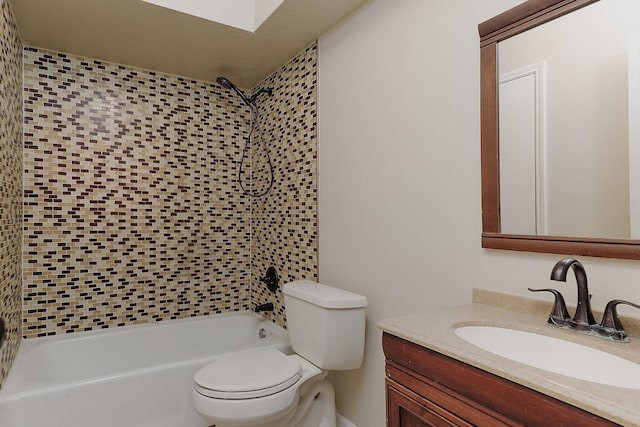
(494, 34)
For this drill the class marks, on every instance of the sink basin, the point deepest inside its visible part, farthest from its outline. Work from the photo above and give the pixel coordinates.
(554, 355)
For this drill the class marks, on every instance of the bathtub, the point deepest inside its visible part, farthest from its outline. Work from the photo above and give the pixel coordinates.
(135, 376)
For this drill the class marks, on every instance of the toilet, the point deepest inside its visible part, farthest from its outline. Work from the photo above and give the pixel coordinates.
(268, 388)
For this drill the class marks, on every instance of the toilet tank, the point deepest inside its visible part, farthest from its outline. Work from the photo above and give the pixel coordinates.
(326, 324)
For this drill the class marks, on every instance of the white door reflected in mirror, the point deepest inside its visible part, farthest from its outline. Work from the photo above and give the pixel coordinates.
(567, 145)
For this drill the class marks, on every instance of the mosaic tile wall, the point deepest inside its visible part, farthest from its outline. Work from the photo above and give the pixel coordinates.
(284, 223)
(132, 211)
(10, 185)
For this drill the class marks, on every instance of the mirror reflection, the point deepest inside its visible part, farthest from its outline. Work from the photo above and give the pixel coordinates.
(569, 152)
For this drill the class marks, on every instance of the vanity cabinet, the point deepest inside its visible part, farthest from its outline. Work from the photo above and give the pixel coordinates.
(425, 388)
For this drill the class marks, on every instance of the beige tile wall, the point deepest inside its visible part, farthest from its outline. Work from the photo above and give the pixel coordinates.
(132, 211)
(10, 184)
(284, 223)
(132, 208)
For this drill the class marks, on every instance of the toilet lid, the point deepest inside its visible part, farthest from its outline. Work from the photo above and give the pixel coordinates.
(248, 375)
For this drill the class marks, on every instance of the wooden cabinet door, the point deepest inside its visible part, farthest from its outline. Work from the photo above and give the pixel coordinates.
(407, 409)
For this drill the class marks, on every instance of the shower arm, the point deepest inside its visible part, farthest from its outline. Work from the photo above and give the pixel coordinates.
(227, 84)
(268, 91)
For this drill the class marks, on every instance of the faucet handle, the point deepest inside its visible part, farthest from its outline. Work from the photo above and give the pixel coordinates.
(611, 326)
(559, 314)
(271, 279)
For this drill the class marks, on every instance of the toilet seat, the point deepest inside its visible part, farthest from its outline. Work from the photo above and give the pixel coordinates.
(249, 375)
(255, 388)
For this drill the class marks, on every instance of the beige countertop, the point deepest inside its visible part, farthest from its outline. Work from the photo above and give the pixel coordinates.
(435, 330)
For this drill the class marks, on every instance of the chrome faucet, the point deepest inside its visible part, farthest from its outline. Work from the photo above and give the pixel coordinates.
(610, 327)
(583, 318)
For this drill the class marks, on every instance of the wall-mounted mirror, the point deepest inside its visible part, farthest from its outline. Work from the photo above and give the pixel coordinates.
(560, 89)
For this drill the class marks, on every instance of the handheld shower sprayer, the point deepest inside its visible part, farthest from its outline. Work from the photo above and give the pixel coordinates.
(226, 83)
(255, 126)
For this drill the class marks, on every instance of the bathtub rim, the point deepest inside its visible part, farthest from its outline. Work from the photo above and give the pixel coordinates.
(16, 386)
(153, 324)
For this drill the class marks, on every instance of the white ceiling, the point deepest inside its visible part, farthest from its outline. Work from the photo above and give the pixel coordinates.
(141, 34)
(244, 14)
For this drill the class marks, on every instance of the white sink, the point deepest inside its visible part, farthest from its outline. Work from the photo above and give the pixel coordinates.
(554, 355)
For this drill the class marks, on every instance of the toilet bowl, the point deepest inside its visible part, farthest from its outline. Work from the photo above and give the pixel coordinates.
(255, 388)
(268, 388)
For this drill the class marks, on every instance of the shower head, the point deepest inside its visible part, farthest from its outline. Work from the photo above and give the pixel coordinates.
(226, 83)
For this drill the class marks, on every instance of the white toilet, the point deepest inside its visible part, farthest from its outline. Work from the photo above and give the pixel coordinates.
(270, 389)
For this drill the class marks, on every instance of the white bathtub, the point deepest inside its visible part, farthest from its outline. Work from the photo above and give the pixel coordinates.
(137, 376)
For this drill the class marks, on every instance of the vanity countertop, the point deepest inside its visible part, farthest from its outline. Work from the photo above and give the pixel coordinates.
(435, 330)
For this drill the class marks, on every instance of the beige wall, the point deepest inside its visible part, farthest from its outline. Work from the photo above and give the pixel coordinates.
(399, 177)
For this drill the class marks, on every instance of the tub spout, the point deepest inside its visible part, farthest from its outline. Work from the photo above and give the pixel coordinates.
(264, 307)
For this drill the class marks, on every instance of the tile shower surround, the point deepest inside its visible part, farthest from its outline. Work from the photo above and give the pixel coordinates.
(10, 184)
(132, 212)
(284, 223)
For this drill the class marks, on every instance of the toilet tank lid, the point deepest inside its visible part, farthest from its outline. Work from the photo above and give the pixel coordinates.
(323, 295)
